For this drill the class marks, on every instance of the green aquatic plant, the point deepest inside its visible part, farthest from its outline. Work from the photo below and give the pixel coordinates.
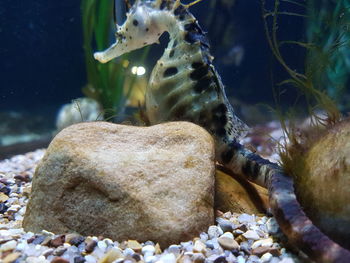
(316, 97)
(306, 81)
(328, 28)
(327, 44)
(110, 84)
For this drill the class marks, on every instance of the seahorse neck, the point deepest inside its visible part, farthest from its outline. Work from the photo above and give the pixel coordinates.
(184, 31)
(172, 25)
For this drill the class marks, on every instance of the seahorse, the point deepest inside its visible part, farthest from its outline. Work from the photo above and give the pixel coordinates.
(184, 86)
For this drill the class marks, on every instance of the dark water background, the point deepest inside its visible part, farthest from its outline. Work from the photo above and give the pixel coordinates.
(42, 60)
(41, 54)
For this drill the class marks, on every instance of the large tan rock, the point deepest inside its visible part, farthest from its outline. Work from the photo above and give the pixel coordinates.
(239, 196)
(124, 182)
(323, 185)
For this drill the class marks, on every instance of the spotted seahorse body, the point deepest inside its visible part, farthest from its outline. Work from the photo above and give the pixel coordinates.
(184, 85)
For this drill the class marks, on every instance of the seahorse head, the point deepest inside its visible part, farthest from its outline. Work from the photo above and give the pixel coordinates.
(144, 24)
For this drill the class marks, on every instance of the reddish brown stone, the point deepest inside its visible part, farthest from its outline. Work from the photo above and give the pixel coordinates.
(58, 241)
(59, 260)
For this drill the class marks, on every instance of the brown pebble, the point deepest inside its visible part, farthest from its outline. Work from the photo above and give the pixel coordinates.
(3, 181)
(158, 249)
(90, 245)
(58, 241)
(259, 251)
(59, 260)
(275, 251)
(136, 257)
(6, 253)
(11, 257)
(198, 258)
(218, 213)
(46, 241)
(240, 239)
(228, 243)
(123, 245)
(30, 240)
(112, 255)
(74, 239)
(59, 251)
(3, 198)
(48, 252)
(24, 177)
(133, 244)
(243, 228)
(2, 241)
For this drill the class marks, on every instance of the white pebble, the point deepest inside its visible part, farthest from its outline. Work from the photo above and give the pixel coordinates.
(150, 259)
(40, 259)
(187, 246)
(266, 257)
(102, 245)
(22, 211)
(275, 260)
(22, 246)
(14, 208)
(90, 259)
(272, 226)
(66, 245)
(215, 243)
(168, 258)
(16, 231)
(245, 218)
(204, 236)
(228, 234)
(9, 245)
(212, 257)
(128, 252)
(214, 231)
(108, 241)
(47, 233)
(227, 215)
(231, 258)
(287, 260)
(226, 225)
(250, 234)
(253, 258)
(98, 253)
(240, 259)
(175, 249)
(149, 249)
(186, 259)
(263, 243)
(199, 247)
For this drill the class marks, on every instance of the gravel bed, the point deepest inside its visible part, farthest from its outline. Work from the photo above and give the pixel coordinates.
(236, 237)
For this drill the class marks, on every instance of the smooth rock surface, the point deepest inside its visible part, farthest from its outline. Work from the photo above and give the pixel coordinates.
(239, 196)
(323, 183)
(124, 182)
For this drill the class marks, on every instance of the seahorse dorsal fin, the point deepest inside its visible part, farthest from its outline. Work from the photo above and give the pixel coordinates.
(176, 4)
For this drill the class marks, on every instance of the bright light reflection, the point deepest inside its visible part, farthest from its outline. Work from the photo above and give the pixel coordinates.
(139, 71)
